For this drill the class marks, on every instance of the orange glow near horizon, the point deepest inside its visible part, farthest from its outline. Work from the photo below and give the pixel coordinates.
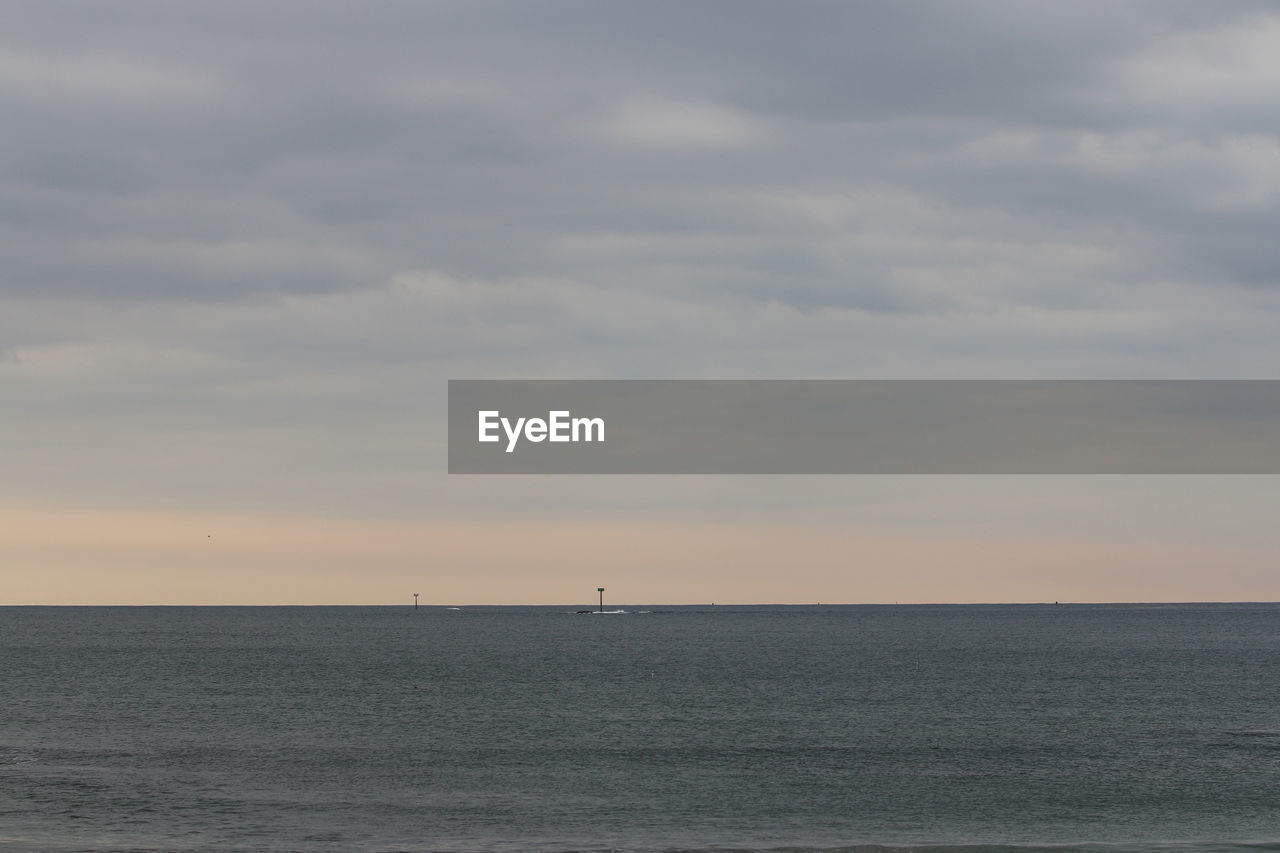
(139, 558)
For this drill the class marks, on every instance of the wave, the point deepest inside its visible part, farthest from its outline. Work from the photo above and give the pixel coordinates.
(10, 843)
(1122, 847)
(1125, 847)
(1204, 846)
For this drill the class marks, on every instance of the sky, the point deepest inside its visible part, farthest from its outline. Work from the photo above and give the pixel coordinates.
(247, 244)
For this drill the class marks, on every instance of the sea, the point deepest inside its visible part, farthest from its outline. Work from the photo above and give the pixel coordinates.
(868, 729)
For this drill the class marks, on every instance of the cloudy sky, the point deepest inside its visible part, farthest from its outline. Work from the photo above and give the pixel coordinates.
(245, 246)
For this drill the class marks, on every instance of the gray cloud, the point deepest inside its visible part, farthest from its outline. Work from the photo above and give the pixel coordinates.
(289, 223)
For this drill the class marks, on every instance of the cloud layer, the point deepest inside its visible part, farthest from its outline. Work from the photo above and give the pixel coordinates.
(246, 244)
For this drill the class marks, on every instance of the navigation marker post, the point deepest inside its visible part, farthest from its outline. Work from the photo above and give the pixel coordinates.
(600, 590)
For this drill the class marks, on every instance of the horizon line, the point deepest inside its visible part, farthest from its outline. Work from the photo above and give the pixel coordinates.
(815, 604)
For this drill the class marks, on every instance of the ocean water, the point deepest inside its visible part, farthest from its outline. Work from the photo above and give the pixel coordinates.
(1019, 728)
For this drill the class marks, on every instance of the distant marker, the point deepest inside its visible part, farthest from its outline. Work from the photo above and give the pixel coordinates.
(415, 601)
(600, 590)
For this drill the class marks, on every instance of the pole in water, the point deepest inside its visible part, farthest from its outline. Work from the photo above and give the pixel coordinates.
(600, 590)
(415, 601)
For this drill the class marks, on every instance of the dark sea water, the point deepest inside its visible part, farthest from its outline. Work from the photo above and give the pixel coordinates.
(526, 728)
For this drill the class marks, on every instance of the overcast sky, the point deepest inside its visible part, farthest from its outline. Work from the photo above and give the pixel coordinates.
(246, 244)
